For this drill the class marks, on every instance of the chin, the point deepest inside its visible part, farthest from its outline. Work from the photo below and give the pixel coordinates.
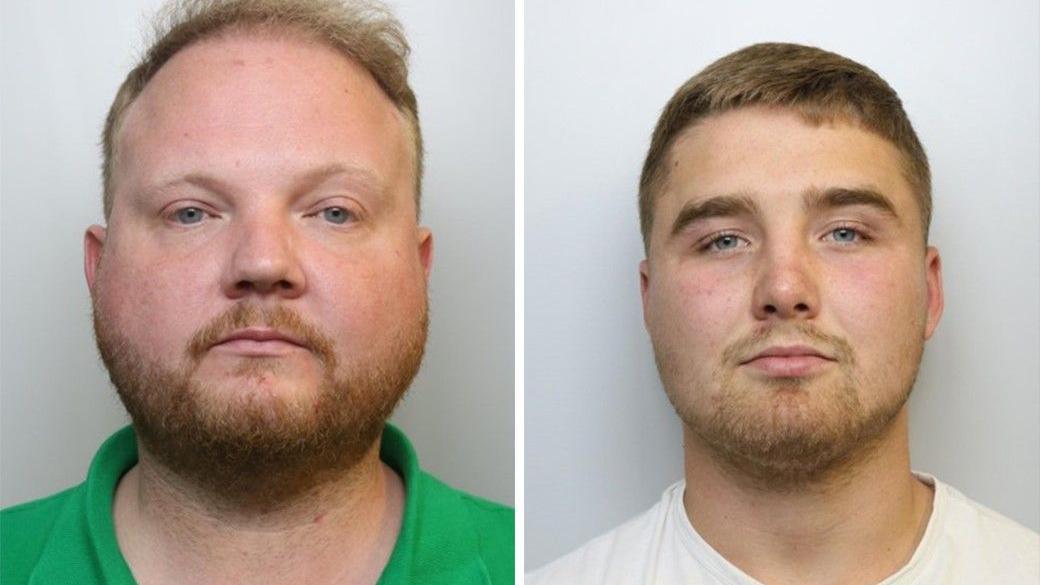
(252, 391)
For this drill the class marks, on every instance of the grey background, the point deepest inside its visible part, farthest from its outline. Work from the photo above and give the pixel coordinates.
(601, 440)
(62, 63)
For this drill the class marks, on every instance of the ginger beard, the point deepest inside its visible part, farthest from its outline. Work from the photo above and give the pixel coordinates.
(260, 450)
(784, 433)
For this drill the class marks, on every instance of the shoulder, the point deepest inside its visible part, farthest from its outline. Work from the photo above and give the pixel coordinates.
(454, 534)
(493, 522)
(26, 529)
(618, 556)
(466, 517)
(983, 542)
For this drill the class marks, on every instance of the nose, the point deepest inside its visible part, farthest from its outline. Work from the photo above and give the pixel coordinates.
(786, 286)
(263, 260)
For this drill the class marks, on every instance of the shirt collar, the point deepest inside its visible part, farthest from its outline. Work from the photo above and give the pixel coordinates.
(431, 535)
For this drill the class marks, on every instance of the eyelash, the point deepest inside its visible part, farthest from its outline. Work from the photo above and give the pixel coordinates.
(352, 215)
(861, 235)
(172, 214)
(706, 244)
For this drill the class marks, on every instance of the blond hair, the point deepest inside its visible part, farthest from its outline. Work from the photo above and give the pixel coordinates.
(819, 85)
(362, 30)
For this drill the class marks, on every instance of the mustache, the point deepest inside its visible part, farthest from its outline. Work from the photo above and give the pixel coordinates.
(280, 318)
(796, 333)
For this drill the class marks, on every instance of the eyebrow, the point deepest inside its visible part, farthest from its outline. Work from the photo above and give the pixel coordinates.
(303, 181)
(365, 178)
(717, 206)
(813, 199)
(838, 197)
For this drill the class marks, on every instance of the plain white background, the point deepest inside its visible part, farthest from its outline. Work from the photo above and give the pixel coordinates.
(601, 440)
(62, 64)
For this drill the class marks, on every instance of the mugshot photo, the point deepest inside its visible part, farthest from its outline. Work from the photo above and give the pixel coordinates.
(728, 298)
(266, 333)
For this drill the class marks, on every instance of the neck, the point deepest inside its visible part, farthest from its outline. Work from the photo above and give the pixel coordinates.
(859, 525)
(341, 530)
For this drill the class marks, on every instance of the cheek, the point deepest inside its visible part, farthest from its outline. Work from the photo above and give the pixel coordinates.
(155, 302)
(366, 298)
(699, 312)
(859, 296)
(880, 310)
(707, 306)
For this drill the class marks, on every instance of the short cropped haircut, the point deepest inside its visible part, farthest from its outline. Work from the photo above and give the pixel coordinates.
(820, 86)
(364, 31)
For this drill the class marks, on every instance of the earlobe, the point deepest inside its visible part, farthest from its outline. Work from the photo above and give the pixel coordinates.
(933, 275)
(426, 250)
(93, 245)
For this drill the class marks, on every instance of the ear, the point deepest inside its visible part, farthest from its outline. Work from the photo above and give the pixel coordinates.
(93, 244)
(933, 276)
(426, 250)
(644, 284)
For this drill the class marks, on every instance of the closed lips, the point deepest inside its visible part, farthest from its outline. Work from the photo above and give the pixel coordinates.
(789, 351)
(262, 335)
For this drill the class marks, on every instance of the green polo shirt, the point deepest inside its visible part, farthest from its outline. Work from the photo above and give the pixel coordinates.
(446, 536)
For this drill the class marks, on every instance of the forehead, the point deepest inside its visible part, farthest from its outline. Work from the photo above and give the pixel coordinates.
(259, 106)
(776, 155)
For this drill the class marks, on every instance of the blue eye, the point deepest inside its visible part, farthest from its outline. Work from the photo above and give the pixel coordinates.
(337, 215)
(724, 242)
(845, 235)
(190, 215)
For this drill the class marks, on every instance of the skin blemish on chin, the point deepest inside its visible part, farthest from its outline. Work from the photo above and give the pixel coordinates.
(317, 519)
(239, 62)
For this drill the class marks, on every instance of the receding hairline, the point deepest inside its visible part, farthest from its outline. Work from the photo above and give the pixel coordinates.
(365, 31)
(265, 31)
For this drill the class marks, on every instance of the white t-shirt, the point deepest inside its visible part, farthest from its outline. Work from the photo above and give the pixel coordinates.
(964, 543)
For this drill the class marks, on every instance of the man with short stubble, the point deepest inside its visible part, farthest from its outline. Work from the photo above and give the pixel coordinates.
(259, 299)
(788, 289)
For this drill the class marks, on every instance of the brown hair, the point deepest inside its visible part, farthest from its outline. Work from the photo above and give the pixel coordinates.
(362, 30)
(819, 85)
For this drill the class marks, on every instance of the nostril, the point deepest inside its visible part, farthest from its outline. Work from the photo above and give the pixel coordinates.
(801, 307)
(770, 309)
(261, 286)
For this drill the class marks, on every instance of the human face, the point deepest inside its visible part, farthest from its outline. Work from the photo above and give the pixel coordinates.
(263, 190)
(774, 236)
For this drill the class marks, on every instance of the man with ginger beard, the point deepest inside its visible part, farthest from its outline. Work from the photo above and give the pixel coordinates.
(259, 297)
(788, 290)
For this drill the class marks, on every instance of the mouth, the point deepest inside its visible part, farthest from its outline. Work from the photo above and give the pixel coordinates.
(259, 342)
(788, 361)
